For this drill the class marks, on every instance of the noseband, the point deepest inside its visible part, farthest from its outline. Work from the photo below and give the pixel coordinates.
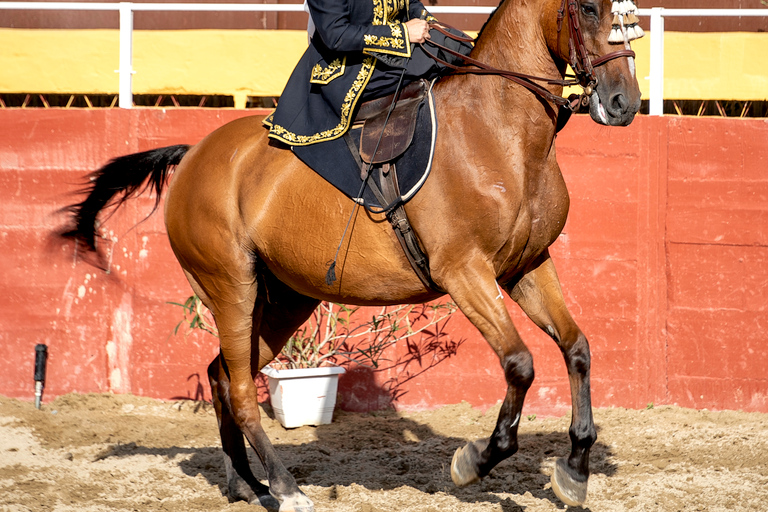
(580, 62)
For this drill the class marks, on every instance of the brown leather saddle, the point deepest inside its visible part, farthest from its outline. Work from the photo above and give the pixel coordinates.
(384, 137)
(397, 130)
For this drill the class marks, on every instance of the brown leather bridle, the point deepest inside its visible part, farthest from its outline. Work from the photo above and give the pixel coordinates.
(582, 65)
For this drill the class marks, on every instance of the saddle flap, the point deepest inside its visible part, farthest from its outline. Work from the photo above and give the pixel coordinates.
(397, 136)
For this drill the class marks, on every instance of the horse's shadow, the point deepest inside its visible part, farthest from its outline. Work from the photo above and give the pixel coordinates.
(385, 451)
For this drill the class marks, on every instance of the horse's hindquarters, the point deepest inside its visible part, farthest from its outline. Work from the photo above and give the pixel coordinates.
(235, 191)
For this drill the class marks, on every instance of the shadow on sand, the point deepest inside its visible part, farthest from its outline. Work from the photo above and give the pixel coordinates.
(385, 450)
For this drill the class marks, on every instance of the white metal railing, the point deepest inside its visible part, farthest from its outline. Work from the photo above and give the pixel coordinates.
(656, 74)
(126, 10)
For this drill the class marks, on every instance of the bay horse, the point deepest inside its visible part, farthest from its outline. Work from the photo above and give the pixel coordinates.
(254, 229)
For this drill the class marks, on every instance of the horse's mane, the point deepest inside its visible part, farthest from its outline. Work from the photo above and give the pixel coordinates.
(489, 19)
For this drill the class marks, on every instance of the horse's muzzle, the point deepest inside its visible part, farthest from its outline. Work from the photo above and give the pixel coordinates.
(616, 110)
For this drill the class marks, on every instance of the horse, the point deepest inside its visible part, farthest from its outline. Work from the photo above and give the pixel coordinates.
(253, 229)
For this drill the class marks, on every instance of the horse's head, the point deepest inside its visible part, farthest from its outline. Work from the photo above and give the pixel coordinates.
(593, 37)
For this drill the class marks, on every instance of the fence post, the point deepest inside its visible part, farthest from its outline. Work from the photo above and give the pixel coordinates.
(125, 71)
(656, 103)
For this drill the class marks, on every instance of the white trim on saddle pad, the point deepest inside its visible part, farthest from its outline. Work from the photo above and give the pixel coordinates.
(433, 117)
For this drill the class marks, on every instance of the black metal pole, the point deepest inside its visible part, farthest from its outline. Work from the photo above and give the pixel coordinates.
(41, 358)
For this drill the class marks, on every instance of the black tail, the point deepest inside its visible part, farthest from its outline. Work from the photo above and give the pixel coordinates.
(122, 178)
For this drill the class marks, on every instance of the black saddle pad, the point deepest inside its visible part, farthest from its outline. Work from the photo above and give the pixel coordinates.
(333, 161)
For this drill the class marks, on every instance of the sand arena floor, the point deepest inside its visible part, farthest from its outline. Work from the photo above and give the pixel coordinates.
(123, 453)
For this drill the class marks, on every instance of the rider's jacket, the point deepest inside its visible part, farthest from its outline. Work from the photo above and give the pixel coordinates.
(356, 50)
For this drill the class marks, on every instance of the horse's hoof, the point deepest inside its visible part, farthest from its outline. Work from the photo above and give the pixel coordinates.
(267, 501)
(464, 465)
(238, 490)
(570, 490)
(297, 502)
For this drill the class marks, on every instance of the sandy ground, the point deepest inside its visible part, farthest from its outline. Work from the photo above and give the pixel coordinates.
(116, 452)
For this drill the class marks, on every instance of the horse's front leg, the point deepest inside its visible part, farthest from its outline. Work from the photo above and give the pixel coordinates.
(479, 298)
(539, 295)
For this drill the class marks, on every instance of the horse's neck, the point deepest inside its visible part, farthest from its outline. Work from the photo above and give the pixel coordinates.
(497, 124)
(513, 39)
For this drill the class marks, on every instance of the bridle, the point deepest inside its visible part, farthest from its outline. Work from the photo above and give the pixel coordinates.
(583, 67)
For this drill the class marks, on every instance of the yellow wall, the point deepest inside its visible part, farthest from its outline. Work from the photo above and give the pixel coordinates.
(243, 63)
(238, 63)
(717, 66)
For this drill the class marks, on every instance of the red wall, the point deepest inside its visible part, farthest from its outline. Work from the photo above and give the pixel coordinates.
(664, 264)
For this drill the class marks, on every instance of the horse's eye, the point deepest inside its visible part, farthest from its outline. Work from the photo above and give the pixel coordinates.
(589, 9)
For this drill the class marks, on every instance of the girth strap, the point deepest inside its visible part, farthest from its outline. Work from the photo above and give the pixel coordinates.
(389, 193)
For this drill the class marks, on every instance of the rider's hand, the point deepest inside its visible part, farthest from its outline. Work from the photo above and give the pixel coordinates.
(418, 30)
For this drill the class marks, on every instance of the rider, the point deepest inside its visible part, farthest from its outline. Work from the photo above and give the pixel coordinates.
(357, 52)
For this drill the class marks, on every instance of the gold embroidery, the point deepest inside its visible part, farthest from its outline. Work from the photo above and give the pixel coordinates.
(323, 76)
(383, 42)
(397, 45)
(383, 11)
(395, 7)
(378, 12)
(350, 100)
(392, 8)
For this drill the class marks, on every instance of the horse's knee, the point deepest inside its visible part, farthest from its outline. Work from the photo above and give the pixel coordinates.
(577, 355)
(518, 369)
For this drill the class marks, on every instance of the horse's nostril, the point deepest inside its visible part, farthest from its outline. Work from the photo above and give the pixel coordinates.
(618, 103)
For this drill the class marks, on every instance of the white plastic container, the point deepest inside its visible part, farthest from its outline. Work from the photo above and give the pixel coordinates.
(306, 396)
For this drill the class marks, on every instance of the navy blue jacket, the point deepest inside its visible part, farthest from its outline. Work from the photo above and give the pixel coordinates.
(354, 55)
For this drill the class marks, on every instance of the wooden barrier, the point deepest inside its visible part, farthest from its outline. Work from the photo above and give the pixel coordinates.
(664, 264)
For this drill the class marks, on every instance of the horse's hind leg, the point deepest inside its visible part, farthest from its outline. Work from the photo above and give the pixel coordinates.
(478, 296)
(241, 483)
(251, 331)
(539, 295)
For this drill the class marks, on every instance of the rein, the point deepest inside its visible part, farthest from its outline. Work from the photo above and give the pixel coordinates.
(580, 62)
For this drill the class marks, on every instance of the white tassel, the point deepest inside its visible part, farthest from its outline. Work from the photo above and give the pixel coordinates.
(639, 31)
(615, 37)
(615, 7)
(623, 8)
(631, 35)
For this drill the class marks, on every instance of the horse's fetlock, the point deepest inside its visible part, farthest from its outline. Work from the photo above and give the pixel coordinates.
(507, 445)
(518, 369)
(583, 436)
